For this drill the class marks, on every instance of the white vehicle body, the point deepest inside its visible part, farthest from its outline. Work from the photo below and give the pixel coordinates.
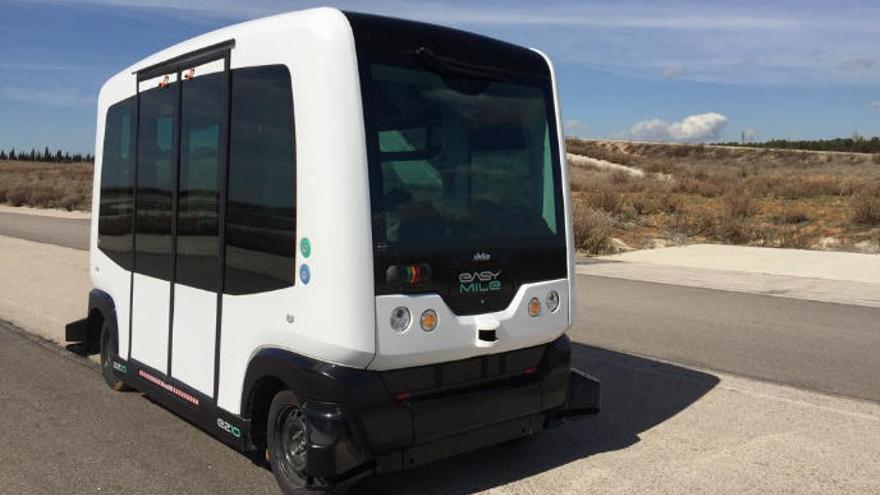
(330, 311)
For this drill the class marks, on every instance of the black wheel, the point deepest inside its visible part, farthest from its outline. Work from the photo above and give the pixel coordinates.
(286, 435)
(109, 349)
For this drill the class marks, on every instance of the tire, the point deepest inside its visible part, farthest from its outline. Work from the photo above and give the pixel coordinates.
(286, 439)
(109, 350)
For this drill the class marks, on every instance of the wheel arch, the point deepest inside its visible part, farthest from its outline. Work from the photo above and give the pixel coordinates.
(305, 377)
(101, 309)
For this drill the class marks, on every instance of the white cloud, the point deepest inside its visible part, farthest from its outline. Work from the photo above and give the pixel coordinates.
(574, 127)
(692, 129)
(875, 104)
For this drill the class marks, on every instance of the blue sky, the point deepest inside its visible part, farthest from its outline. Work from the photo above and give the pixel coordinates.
(671, 70)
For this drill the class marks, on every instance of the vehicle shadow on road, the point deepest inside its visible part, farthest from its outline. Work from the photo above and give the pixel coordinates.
(637, 394)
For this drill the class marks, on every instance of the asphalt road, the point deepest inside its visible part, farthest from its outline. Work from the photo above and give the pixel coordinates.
(826, 347)
(65, 232)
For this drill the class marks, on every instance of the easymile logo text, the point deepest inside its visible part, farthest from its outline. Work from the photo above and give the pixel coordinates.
(476, 282)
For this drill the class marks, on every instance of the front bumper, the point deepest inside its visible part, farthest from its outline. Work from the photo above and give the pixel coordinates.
(420, 415)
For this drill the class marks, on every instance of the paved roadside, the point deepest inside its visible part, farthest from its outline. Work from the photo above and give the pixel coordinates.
(42, 287)
(764, 284)
(70, 231)
(827, 265)
(837, 277)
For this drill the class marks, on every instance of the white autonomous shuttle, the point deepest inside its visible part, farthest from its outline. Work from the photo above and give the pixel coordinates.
(339, 241)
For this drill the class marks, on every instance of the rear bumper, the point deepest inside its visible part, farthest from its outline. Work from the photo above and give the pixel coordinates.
(424, 414)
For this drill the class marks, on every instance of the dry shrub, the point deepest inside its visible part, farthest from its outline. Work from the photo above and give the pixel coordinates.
(605, 198)
(738, 204)
(699, 184)
(641, 204)
(668, 203)
(792, 215)
(810, 187)
(592, 229)
(865, 205)
(620, 178)
(732, 230)
(695, 223)
(793, 238)
(579, 181)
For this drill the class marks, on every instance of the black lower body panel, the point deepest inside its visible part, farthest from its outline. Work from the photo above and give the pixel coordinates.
(432, 412)
(361, 422)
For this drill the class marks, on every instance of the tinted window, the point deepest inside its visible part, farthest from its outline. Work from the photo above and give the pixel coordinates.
(156, 131)
(197, 208)
(462, 159)
(260, 223)
(117, 184)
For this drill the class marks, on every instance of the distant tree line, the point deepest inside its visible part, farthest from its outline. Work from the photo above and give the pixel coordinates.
(45, 156)
(855, 144)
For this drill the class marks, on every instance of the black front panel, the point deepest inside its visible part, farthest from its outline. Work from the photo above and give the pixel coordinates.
(479, 281)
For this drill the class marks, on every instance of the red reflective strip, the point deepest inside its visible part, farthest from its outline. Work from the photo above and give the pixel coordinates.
(531, 370)
(403, 396)
(170, 388)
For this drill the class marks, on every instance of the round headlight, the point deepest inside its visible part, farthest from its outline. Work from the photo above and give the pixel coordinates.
(429, 320)
(552, 301)
(534, 306)
(400, 319)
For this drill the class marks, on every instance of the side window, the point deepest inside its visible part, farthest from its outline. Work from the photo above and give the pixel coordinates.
(156, 131)
(261, 216)
(197, 208)
(117, 184)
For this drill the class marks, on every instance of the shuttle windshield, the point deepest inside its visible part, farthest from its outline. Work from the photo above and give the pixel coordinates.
(461, 155)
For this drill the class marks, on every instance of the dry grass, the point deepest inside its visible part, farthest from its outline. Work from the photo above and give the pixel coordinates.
(592, 229)
(865, 204)
(46, 185)
(747, 196)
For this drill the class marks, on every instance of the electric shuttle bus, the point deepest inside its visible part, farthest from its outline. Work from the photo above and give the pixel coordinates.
(338, 241)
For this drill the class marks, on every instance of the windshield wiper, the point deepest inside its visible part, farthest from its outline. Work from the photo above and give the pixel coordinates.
(448, 67)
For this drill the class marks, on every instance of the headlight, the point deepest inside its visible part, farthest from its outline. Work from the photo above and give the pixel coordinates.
(534, 306)
(400, 319)
(429, 320)
(552, 301)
